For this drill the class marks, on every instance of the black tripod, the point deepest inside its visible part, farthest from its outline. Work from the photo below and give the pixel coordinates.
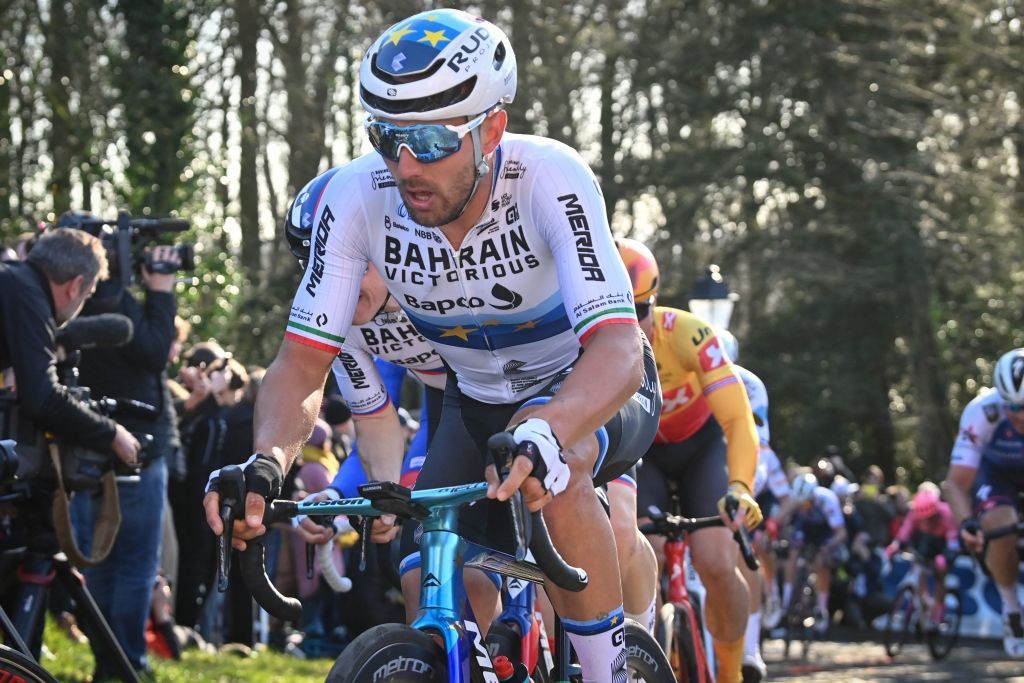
(26, 574)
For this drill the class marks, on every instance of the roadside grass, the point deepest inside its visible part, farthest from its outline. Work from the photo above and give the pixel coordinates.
(73, 663)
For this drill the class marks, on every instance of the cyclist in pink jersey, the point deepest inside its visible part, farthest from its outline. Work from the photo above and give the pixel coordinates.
(932, 532)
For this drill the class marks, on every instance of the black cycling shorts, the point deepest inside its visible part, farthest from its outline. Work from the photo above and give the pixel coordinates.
(458, 451)
(996, 486)
(696, 466)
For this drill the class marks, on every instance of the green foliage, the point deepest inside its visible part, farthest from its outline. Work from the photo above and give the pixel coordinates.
(73, 663)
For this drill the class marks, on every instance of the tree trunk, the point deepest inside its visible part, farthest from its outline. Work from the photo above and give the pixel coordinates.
(247, 17)
(58, 97)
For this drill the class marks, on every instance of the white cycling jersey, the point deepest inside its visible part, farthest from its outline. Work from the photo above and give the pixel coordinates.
(507, 310)
(769, 473)
(391, 337)
(826, 509)
(758, 395)
(987, 435)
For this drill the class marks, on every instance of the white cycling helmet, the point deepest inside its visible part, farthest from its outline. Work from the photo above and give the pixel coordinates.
(1009, 376)
(728, 341)
(804, 486)
(438, 64)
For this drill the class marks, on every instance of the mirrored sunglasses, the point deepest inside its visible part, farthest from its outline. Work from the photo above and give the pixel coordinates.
(428, 142)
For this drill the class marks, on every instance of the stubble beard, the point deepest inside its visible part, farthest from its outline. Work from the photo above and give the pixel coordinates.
(449, 211)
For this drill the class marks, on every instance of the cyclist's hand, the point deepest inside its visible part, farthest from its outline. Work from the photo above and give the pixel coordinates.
(971, 535)
(539, 469)
(310, 531)
(752, 511)
(263, 477)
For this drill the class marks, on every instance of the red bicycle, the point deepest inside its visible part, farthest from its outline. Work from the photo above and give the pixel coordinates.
(680, 626)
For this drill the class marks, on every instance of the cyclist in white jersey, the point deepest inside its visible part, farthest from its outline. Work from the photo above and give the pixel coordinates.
(988, 466)
(498, 248)
(768, 478)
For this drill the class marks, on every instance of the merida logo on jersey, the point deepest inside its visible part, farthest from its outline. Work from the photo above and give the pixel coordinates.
(355, 374)
(584, 240)
(318, 249)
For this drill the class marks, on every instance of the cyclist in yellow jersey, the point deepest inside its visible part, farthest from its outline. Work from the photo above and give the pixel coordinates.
(706, 443)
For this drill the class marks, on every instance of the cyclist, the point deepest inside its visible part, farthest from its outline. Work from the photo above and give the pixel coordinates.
(818, 525)
(771, 491)
(497, 247)
(988, 459)
(380, 330)
(930, 530)
(706, 444)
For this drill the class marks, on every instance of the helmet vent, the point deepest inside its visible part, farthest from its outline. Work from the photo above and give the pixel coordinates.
(421, 104)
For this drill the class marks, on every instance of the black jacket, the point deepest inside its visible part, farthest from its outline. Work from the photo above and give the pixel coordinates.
(135, 370)
(27, 344)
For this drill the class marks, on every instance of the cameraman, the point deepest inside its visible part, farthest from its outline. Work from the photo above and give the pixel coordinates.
(123, 583)
(36, 295)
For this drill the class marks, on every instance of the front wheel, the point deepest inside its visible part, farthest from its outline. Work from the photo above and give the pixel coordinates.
(15, 666)
(943, 635)
(899, 622)
(645, 660)
(391, 652)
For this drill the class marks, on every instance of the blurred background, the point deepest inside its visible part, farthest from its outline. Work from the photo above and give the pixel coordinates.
(853, 167)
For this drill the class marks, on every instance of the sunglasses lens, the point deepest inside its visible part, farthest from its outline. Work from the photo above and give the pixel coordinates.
(427, 142)
(1015, 407)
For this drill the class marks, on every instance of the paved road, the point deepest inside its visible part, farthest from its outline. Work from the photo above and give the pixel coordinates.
(973, 661)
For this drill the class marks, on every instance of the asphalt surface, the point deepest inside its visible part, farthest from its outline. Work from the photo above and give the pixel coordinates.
(861, 658)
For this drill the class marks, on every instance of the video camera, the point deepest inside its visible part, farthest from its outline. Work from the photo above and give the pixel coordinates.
(127, 241)
(82, 468)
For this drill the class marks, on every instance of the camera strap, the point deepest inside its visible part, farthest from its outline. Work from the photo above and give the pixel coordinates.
(104, 530)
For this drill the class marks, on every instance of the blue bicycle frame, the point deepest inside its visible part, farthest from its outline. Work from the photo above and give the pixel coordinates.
(443, 554)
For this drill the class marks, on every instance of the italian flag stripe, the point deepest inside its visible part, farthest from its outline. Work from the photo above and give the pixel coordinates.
(313, 330)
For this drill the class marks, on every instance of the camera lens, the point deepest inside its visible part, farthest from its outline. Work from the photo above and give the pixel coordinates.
(8, 461)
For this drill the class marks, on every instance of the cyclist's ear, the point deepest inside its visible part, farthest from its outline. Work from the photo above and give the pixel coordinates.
(492, 130)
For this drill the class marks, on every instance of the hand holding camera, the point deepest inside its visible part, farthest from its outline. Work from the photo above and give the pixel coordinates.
(159, 267)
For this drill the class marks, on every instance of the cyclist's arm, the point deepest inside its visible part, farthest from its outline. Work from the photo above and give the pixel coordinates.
(730, 406)
(567, 206)
(289, 400)
(957, 490)
(607, 374)
(906, 527)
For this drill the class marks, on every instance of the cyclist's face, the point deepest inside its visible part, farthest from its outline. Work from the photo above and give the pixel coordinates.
(1016, 419)
(434, 192)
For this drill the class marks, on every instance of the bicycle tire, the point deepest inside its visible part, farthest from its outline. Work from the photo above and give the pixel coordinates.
(645, 660)
(942, 640)
(679, 642)
(899, 621)
(391, 652)
(15, 666)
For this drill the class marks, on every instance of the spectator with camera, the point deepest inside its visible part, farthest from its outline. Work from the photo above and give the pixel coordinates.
(123, 582)
(37, 296)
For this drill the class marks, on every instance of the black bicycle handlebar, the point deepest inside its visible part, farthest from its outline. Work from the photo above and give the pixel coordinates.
(671, 525)
(502, 447)
(252, 560)
(741, 535)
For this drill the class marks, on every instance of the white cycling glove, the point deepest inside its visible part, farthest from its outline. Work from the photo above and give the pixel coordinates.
(535, 440)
